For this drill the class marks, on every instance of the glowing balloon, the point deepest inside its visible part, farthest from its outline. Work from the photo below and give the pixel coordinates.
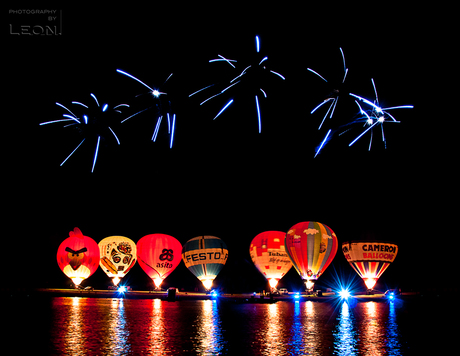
(369, 258)
(311, 246)
(269, 255)
(158, 255)
(205, 256)
(118, 256)
(78, 256)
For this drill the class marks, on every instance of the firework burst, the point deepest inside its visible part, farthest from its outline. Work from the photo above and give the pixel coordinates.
(162, 106)
(371, 116)
(250, 77)
(92, 123)
(333, 98)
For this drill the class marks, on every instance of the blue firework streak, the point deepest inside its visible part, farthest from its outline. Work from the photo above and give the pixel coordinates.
(334, 97)
(159, 103)
(248, 76)
(375, 115)
(92, 122)
(371, 116)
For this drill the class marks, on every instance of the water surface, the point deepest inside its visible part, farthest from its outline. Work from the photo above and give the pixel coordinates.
(102, 326)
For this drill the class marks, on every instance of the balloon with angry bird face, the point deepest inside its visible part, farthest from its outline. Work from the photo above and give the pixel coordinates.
(78, 256)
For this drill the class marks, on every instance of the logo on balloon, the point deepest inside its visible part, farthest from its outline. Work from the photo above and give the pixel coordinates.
(167, 254)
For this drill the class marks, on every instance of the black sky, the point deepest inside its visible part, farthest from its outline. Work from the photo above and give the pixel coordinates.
(222, 177)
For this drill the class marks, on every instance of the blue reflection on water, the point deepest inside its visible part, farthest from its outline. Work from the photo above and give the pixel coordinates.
(296, 338)
(370, 328)
(118, 331)
(345, 336)
(393, 343)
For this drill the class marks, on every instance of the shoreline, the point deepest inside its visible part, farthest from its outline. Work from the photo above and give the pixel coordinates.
(236, 297)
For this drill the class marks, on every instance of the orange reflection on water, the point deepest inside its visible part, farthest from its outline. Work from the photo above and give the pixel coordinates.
(73, 325)
(380, 335)
(156, 330)
(272, 339)
(308, 325)
(94, 326)
(78, 327)
(310, 338)
(372, 334)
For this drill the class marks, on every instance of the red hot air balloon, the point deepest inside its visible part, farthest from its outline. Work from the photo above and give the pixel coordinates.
(158, 255)
(311, 246)
(78, 256)
(269, 256)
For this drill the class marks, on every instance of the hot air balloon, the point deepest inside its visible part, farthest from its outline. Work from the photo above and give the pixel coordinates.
(311, 246)
(205, 256)
(158, 255)
(369, 258)
(78, 256)
(118, 256)
(269, 255)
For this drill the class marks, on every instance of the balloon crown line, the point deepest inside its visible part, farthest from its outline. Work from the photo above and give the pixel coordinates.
(326, 233)
(97, 122)
(308, 246)
(79, 256)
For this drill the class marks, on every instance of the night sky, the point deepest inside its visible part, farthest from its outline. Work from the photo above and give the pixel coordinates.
(222, 177)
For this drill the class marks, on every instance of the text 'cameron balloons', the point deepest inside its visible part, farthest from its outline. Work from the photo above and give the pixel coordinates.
(205, 256)
(78, 256)
(369, 258)
(118, 256)
(269, 255)
(158, 255)
(311, 246)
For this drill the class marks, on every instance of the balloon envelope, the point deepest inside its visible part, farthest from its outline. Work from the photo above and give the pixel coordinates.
(311, 246)
(369, 258)
(205, 256)
(158, 255)
(269, 255)
(118, 256)
(78, 256)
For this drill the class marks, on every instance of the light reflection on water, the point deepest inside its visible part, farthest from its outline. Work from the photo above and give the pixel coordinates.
(309, 328)
(393, 344)
(345, 335)
(83, 326)
(372, 335)
(271, 334)
(155, 336)
(208, 338)
(369, 328)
